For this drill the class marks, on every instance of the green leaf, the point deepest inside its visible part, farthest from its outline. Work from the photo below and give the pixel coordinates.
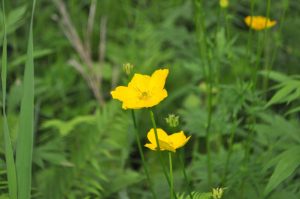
(276, 76)
(65, 127)
(287, 164)
(281, 95)
(9, 156)
(25, 134)
(14, 19)
(294, 110)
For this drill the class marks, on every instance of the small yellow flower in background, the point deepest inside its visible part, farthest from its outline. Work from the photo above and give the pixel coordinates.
(166, 142)
(224, 3)
(217, 193)
(143, 91)
(259, 22)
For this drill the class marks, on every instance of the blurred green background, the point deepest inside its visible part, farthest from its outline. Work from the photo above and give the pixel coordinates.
(84, 146)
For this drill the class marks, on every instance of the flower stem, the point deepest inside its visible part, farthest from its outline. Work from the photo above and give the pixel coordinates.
(204, 54)
(185, 175)
(268, 67)
(232, 135)
(142, 154)
(159, 151)
(158, 147)
(261, 46)
(171, 176)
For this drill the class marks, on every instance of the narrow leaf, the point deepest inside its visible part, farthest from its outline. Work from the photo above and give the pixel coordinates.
(25, 134)
(289, 161)
(9, 156)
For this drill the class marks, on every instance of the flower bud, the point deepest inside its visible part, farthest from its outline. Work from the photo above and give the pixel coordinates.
(217, 193)
(172, 120)
(127, 68)
(224, 3)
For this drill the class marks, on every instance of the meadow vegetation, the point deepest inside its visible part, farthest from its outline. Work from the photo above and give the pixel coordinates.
(140, 99)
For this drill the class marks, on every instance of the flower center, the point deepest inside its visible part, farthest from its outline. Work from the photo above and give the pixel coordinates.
(144, 96)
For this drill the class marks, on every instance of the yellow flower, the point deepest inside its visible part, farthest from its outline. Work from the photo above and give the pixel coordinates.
(143, 91)
(259, 22)
(166, 142)
(224, 3)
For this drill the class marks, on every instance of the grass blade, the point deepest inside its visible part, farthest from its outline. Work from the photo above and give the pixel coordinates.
(25, 134)
(9, 156)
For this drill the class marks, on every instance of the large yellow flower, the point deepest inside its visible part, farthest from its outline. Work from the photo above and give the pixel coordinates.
(143, 91)
(166, 142)
(259, 22)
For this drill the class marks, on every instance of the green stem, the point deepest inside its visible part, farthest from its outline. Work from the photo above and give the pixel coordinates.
(261, 46)
(227, 24)
(158, 148)
(201, 34)
(250, 32)
(185, 175)
(171, 176)
(232, 135)
(268, 68)
(142, 154)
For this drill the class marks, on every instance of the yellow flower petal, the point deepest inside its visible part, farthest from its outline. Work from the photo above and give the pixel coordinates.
(151, 146)
(156, 98)
(259, 22)
(125, 94)
(163, 140)
(158, 79)
(140, 82)
(161, 134)
(178, 139)
(166, 142)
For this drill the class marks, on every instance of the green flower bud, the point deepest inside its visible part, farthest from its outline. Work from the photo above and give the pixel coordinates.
(127, 68)
(172, 120)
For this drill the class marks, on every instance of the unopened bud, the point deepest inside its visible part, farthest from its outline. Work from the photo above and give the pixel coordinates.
(217, 193)
(172, 120)
(224, 3)
(127, 68)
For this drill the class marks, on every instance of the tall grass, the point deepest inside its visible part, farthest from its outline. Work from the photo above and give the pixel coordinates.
(9, 156)
(25, 133)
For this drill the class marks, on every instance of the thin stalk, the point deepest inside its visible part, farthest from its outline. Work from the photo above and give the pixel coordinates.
(158, 148)
(259, 54)
(142, 154)
(227, 24)
(209, 119)
(268, 68)
(9, 154)
(185, 175)
(261, 46)
(171, 176)
(201, 34)
(250, 32)
(232, 135)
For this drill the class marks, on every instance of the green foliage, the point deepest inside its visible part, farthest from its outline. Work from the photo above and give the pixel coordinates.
(14, 20)
(86, 150)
